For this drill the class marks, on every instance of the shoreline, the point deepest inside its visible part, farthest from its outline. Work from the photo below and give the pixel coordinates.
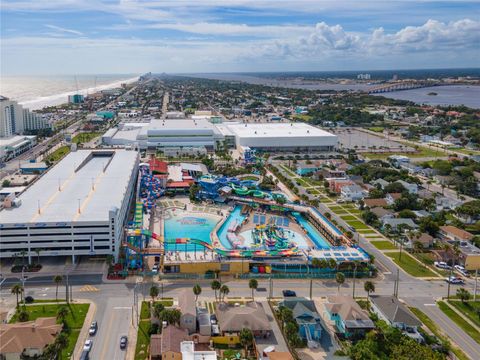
(62, 98)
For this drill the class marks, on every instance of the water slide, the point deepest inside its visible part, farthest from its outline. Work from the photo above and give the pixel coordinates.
(244, 191)
(147, 233)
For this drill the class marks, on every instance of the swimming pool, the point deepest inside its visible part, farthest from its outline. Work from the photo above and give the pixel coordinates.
(235, 216)
(292, 236)
(317, 238)
(182, 224)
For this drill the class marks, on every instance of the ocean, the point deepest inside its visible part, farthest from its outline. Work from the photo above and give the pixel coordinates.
(36, 92)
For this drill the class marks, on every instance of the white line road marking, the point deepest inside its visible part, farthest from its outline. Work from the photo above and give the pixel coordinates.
(429, 304)
(121, 307)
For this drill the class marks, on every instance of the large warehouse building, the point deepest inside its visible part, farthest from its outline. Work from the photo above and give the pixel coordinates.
(279, 136)
(79, 207)
(201, 135)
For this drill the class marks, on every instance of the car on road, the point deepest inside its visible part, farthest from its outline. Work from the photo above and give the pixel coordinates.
(454, 280)
(123, 342)
(289, 293)
(442, 265)
(93, 328)
(88, 345)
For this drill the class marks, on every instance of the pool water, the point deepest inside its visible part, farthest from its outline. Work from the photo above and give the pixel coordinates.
(314, 235)
(235, 215)
(186, 225)
(292, 236)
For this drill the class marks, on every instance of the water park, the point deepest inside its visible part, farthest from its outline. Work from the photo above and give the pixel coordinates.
(232, 220)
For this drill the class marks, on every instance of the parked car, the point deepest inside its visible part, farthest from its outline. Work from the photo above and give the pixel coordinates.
(289, 293)
(88, 345)
(461, 270)
(93, 328)
(442, 265)
(455, 280)
(123, 342)
(155, 269)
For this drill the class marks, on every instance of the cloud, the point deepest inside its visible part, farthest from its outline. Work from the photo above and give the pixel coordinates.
(64, 30)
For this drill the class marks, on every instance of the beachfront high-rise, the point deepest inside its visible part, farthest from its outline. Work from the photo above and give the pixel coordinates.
(15, 120)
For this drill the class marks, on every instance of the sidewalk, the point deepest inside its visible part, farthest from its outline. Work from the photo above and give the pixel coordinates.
(86, 325)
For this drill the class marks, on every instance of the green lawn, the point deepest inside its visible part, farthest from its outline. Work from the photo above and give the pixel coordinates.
(469, 309)
(289, 172)
(357, 224)
(461, 322)
(434, 329)
(74, 320)
(383, 245)
(85, 137)
(422, 152)
(58, 154)
(143, 340)
(145, 309)
(348, 217)
(410, 265)
(367, 232)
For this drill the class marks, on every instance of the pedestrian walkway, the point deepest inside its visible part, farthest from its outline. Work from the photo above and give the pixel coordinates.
(88, 288)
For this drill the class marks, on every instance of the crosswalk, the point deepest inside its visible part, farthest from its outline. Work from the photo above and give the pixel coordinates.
(88, 288)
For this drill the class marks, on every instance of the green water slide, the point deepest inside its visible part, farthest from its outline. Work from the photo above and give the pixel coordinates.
(244, 191)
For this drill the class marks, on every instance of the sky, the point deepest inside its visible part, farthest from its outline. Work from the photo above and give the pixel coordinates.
(46, 37)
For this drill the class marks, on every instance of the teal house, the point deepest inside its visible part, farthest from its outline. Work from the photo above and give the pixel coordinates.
(308, 319)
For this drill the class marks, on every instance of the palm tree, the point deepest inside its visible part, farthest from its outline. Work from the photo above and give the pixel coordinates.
(157, 309)
(197, 290)
(369, 287)
(246, 339)
(62, 313)
(253, 284)
(16, 290)
(23, 315)
(61, 343)
(216, 285)
(57, 279)
(38, 251)
(224, 290)
(463, 294)
(340, 279)
(154, 292)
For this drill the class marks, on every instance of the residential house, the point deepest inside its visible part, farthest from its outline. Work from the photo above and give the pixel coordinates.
(306, 316)
(332, 174)
(410, 187)
(167, 345)
(187, 348)
(453, 233)
(391, 310)
(382, 213)
(391, 197)
(425, 194)
(232, 319)
(380, 182)
(421, 213)
(204, 324)
(423, 238)
(397, 223)
(352, 193)
(337, 184)
(446, 203)
(371, 203)
(186, 303)
(351, 322)
(411, 168)
(469, 256)
(27, 339)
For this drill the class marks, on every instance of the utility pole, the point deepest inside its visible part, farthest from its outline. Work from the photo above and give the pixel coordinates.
(395, 288)
(311, 289)
(66, 289)
(475, 288)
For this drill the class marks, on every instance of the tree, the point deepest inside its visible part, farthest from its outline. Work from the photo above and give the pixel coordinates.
(216, 285)
(369, 287)
(157, 309)
(154, 292)
(253, 284)
(291, 328)
(23, 315)
(62, 314)
(340, 279)
(38, 251)
(369, 217)
(246, 339)
(16, 290)
(57, 279)
(197, 290)
(224, 290)
(417, 247)
(463, 294)
(61, 343)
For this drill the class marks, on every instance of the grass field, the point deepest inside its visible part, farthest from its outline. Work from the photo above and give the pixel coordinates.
(461, 322)
(74, 320)
(422, 152)
(85, 137)
(434, 329)
(383, 245)
(145, 309)
(288, 171)
(58, 154)
(357, 224)
(469, 309)
(143, 340)
(410, 265)
(349, 217)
